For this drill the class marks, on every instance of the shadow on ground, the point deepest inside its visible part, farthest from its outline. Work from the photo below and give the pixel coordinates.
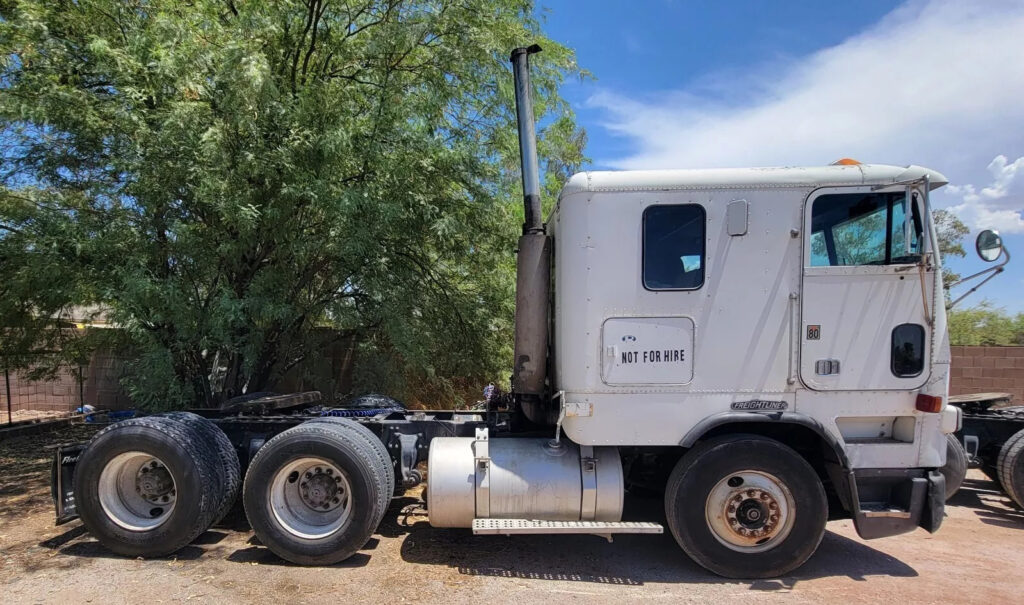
(631, 560)
(988, 501)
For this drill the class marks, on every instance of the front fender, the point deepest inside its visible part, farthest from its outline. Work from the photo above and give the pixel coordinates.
(724, 418)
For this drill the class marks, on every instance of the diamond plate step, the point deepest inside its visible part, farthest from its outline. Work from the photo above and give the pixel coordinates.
(530, 526)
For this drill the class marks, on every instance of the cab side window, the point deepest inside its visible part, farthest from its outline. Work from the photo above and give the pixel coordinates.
(673, 247)
(863, 229)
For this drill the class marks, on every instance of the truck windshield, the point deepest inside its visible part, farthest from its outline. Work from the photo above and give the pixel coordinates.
(863, 229)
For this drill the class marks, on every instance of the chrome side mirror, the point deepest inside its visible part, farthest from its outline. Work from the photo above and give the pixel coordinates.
(989, 245)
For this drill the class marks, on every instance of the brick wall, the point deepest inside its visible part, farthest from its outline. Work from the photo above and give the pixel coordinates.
(103, 382)
(60, 395)
(988, 370)
(329, 372)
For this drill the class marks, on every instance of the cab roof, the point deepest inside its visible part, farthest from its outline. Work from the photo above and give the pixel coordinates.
(749, 178)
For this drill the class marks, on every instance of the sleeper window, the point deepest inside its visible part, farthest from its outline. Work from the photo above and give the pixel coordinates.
(673, 247)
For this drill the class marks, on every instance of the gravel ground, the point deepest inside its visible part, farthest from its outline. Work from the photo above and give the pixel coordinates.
(975, 558)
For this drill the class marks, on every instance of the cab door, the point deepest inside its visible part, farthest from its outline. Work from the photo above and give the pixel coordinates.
(866, 296)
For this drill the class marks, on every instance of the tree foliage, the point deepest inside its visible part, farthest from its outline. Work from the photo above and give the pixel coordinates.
(221, 177)
(950, 231)
(985, 324)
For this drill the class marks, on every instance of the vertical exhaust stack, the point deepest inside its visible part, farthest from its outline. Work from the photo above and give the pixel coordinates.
(533, 266)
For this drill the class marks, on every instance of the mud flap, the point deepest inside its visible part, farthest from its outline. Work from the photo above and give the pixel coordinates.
(62, 481)
(935, 508)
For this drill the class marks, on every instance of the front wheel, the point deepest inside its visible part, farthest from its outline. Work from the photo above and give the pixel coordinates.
(745, 506)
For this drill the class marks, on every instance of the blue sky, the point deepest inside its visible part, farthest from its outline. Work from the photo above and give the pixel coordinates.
(692, 84)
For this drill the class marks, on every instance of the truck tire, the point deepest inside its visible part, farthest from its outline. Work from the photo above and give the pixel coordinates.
(146, 487)
(1010, 467)
(387, 465)
(314, 494)
(227, 457)
(955, 468)
(745, 506)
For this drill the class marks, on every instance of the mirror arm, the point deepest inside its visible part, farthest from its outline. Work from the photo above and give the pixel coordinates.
(994, 272)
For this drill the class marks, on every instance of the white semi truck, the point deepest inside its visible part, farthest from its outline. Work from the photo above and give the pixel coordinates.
(766, 346)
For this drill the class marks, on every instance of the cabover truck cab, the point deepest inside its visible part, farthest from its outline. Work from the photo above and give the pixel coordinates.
(767, 348)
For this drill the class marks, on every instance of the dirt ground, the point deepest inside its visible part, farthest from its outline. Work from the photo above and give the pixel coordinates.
(975, 558)
(23, 415)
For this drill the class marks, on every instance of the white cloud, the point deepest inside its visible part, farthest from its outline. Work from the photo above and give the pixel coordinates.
(937, 83)
(993, 207)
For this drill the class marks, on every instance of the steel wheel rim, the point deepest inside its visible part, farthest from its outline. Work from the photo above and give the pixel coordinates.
(137, 491)
(311, 498)
(750, 511)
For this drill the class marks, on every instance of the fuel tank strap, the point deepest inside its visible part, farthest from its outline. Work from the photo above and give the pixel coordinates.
(482, 463)
(588, 475)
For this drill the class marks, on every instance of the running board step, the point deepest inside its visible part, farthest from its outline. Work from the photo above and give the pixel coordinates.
(530, 526)
(891, 513)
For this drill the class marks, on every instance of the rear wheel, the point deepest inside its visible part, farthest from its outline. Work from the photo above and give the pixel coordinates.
(955, 468)
(745, 506)
(227, 457)
(360, 432)
(314, 494)
(147, 486)
(1010, 467)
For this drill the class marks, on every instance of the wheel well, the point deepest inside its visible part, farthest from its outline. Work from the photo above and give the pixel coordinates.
(811, 446)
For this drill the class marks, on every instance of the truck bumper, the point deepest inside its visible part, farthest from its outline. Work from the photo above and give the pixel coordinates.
(889, 502)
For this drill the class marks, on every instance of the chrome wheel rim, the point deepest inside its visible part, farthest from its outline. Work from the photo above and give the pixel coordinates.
(750, 511)
(137, 491)
(311, 498)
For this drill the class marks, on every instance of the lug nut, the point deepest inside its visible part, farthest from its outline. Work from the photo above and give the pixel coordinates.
(330, 471)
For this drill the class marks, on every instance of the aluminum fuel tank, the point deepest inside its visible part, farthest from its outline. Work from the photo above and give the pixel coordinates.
(517, 478)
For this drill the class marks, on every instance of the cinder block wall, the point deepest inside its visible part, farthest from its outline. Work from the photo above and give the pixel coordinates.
(988, 369)
(60, 395)
(329, 373)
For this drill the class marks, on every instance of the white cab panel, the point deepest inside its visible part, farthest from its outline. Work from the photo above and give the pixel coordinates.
(648, 350)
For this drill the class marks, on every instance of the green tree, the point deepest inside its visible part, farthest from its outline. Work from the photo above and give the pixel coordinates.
(950, 231)
(222, 177)
(985, 324)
